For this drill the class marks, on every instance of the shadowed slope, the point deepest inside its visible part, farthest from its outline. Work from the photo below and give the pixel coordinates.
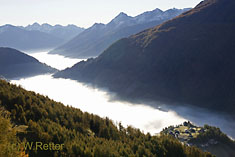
(189, 59)
(15, 64)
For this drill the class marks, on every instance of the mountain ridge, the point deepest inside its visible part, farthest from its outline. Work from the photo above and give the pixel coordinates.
(15, 64)
(188, 60)
(63, 32)
(97, 38)
(18, 38)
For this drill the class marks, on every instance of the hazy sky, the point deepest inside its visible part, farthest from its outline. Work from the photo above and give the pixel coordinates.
(83, 13)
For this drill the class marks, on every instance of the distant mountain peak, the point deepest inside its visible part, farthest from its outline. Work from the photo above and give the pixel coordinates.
(121, 16)
(157, 10)
(35, 24)
(71, 25)
(5, 28)
(7, 25)
(98, 37)
(97, 26)
(46, 24)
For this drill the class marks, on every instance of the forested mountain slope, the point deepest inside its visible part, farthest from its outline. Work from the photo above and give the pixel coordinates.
(187, 60)
(40, 119)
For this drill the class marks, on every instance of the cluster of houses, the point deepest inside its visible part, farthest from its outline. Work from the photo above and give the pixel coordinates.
(184, 132)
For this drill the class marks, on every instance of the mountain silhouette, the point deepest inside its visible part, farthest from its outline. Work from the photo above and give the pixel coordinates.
(94, 40)
(15, 64)
(187, 60)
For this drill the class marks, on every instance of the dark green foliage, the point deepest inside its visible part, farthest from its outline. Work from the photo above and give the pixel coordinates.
(215, 141)
(213, 133)
(8, 137)
(83, 134)
(207, 138)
